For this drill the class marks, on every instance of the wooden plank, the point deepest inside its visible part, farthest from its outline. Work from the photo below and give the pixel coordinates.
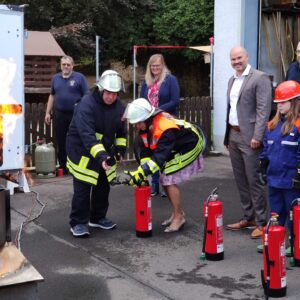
(188, 109)
(197, 109)
(193, 109)
(182, 108)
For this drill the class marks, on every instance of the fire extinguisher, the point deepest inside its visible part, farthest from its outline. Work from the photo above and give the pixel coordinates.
(295, 233)
(143, 211)
(213, 247)
(274, 273)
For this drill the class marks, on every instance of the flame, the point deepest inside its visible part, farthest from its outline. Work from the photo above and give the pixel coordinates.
(7, 109)
(26, 171)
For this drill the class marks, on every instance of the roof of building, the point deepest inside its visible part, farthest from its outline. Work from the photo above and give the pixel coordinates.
(41, 43)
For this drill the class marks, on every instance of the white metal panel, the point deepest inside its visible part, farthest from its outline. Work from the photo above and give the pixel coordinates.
(11, 89)
(230, 30)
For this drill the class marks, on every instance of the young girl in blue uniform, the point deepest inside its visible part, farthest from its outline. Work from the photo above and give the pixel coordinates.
(280, 158)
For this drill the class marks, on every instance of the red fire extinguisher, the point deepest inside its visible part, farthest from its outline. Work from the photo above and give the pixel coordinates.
(143, 212)
(295, 233)
(213, 247)
(274, 272)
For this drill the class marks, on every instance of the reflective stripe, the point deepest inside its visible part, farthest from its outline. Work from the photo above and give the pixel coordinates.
(144, 160)
(99, 136)
(144, 139)
(289, 143)
(180, 161)
(96, 149)
(153, 166)
(183, 123)
(270, 142)
(81, 172)
(121, 142)
(111, 174)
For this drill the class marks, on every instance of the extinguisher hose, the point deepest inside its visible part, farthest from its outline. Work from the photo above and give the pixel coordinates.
(202, 256)
(212, 194)
(268, 263)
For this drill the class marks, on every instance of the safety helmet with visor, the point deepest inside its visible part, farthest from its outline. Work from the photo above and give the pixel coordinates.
(286, 91)
(138, 110)
(111, 81)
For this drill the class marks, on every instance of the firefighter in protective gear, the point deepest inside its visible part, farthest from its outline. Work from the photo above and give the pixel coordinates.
(280, 158)
(95, 141)
(168, 145)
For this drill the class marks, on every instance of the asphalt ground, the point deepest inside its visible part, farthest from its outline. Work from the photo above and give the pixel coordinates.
(117, 265)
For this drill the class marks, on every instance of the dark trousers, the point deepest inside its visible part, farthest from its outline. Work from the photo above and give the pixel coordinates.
(89, 203)
(62, 122)
(280, 202)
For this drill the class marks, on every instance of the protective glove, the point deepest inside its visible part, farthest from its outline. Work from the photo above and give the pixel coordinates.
(137, 177)
(120, 152)
(296, 180)
(262, 175)
(111, 161)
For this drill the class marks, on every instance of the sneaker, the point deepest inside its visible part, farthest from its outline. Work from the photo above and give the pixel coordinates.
(288, 252)
(103, 224)
(260, 248)
(163, 194)
(80, 230)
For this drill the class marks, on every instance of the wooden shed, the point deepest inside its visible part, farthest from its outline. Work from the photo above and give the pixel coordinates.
(42, 54)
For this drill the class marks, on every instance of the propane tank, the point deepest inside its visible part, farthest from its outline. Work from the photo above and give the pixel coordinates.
(295, 232)
(213, 247)
(143, 211)
(44, 154)
(274, 273)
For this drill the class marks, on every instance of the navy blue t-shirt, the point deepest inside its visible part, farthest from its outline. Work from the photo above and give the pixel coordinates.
(67, 91)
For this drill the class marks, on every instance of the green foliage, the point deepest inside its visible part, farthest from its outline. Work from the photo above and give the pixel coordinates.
(121, 24)
(184, 23)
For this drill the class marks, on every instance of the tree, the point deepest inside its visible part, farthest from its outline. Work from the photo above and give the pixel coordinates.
(184, 23)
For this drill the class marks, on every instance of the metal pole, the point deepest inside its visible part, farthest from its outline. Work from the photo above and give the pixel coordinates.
(211, 69)
(97, 57)
(134, 67)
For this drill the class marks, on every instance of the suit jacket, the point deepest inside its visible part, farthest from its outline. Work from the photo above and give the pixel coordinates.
(253, 106)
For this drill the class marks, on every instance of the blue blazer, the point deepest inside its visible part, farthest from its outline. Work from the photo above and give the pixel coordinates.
(168, 94)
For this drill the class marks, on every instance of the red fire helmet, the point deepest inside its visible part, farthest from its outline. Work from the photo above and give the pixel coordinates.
(286, 91)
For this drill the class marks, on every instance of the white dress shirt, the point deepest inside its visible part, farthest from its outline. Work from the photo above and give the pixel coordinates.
(234, 95)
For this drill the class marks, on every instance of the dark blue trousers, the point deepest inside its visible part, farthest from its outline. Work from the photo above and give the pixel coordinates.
(89, 203)
(280, 202)
(62, 122)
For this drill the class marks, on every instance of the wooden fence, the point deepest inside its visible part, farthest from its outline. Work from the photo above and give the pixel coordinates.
(192, 109)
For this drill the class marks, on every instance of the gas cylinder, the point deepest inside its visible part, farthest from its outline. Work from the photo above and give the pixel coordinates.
(143, 211)
(213, 247)
(295, 232)
(44, 154)
(274, 273)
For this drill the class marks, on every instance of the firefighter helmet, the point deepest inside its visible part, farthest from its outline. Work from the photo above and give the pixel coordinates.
(138, 110)
(111, 81)
(286, 91)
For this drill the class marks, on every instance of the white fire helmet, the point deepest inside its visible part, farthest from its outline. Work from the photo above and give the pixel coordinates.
(111, 81)
(138, 110)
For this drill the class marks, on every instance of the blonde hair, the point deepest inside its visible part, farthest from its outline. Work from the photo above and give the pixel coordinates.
(291, 116)
(165, 71)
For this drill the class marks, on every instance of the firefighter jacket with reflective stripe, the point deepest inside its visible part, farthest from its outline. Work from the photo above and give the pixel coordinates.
(283, 154)
(94, 134)
(169, 144)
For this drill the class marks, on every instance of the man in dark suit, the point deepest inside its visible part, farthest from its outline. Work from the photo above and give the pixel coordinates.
(249, 98)
(293, 73)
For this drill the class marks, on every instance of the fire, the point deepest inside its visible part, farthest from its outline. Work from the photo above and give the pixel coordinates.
(7, 109)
